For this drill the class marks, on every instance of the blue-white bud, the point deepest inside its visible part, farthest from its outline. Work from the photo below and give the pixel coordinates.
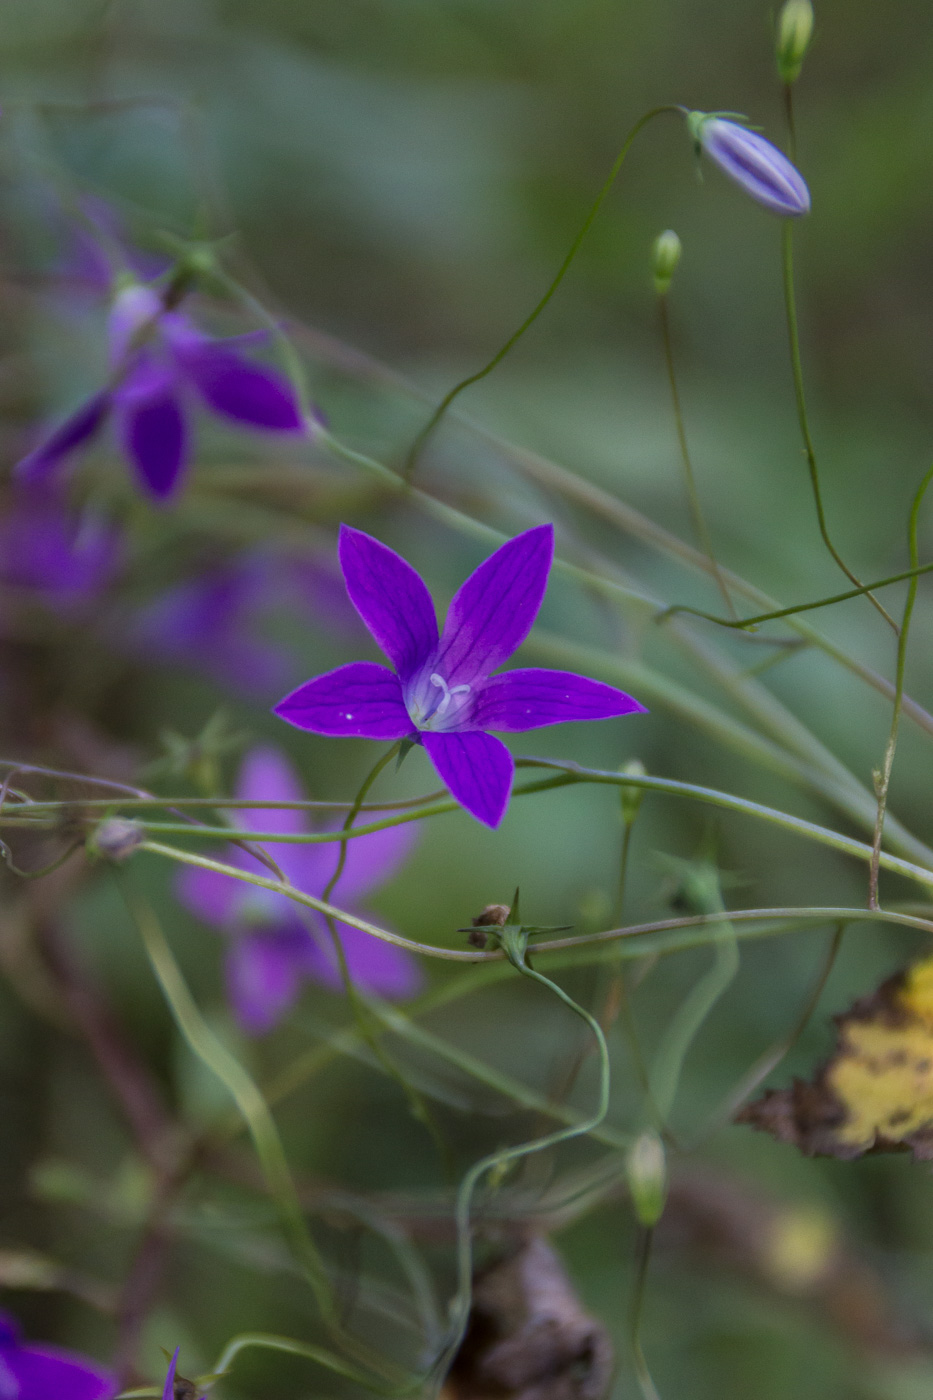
(753, 163)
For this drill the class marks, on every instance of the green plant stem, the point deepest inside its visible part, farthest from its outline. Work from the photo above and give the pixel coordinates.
(256, 1114)
(884, 780)
(411, 460)
(699, 519)
(642, 1259)
(790, 305)
(498, 1161)
(742, 622)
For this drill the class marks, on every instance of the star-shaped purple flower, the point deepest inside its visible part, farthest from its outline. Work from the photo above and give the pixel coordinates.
(442, 693)
(42, 1372)
(275, 944)
(160, 361)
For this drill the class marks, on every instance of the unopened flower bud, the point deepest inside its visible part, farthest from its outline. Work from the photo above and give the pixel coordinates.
(116, 838)
(794, 32)
(665, 255)
(646, 1171)
(756, 166)
(630, 798)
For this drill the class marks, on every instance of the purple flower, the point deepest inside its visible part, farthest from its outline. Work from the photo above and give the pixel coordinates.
(47, 1372)
(45, 549)
(442, 693)
(759, 168)
(159, 361)
(275, 944)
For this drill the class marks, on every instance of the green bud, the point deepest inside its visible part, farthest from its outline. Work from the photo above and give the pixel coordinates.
(794, 32)
(646, 1171)
(630, 798)
(665, 255)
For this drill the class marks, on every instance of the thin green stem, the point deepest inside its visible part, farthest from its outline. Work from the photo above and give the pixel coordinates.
(790, 305)
(642, 1259)
(884, 778)
(411, 460)
(741, 622)
(499, 1161)
(693, 495)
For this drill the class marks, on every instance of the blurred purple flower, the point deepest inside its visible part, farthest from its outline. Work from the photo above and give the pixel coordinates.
(442, 693)
(218, 623)
(46, 1372)
(159, 359)
(46, 549)
(275, 944)
(753, 163)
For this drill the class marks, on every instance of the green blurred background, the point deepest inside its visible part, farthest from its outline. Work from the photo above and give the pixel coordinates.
(404, 178)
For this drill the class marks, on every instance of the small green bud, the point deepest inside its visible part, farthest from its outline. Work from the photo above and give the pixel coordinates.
(116, 838)
(646, 1171)
(665, 255)
(794, 32)
(630, 798)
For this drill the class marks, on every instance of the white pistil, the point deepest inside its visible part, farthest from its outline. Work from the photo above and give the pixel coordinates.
(449, 691)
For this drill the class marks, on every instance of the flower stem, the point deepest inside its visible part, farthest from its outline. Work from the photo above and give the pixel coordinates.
(420, 442)
(642, 1259)
(790, 304)
(883, 780)
(693, 495)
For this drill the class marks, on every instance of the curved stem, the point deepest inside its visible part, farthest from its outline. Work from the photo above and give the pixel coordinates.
(693, 495)
(790, 305)
(414, 452)
(883, 780)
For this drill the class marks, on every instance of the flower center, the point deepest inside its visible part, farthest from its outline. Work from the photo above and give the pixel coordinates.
(449, 692)
(433, 704)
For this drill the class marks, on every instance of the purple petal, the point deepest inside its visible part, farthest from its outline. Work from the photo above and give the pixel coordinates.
(362, 700)
(49, 1373)
(267, 776)
(242, 391)
(210, 896)
(494, 610)
(44, 547)
(169, 1391)
(391, 598)
(264, 973)
(759, 168)
(371, 860)
(476, 768)
(83, 424)
(153, 431)
(380, 967)
(527, 699)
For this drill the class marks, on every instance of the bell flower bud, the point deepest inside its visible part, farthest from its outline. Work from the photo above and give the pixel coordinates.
(794, 32)
(646, 1171)
(630, 798)
(116, 838)
(665, 255)
(759, 168)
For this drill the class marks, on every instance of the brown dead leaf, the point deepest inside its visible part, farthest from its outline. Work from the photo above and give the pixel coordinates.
(875, 1093)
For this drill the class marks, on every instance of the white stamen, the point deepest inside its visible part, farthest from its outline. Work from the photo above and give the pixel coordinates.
(449, 691)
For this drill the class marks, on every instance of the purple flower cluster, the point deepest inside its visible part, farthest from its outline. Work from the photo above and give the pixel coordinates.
(274, 944)
(442, 693)
(30, 1372)
(160, 363)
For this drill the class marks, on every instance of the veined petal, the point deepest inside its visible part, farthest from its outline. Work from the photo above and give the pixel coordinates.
(153, 429)
(245, 392)
(362, 700)
(494, 610)
(390, 597)
(528, 699)
(756, 165)
(83, 424)
(476, 768)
